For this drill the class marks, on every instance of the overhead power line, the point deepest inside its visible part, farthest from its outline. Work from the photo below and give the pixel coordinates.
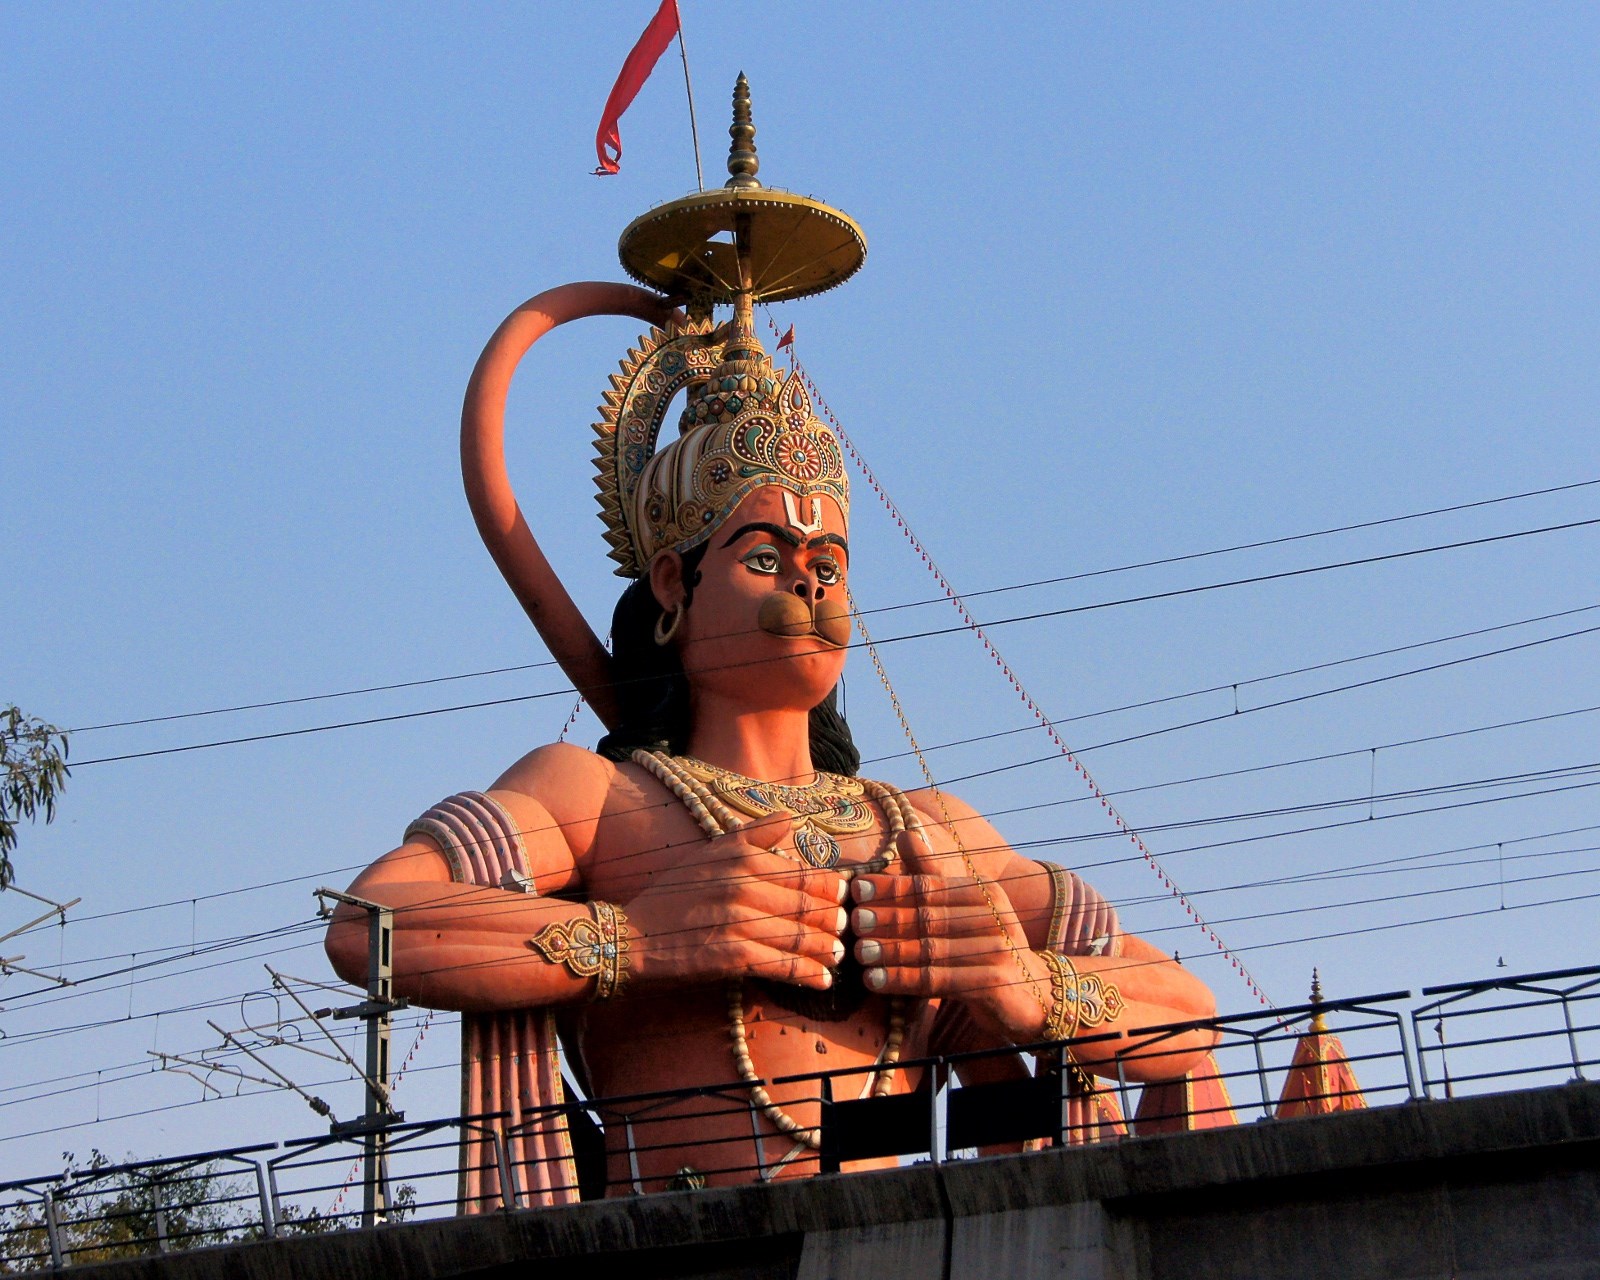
(910, 604)
(956, 629)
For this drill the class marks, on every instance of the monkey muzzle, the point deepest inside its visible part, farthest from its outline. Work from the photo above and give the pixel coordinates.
(783, 614)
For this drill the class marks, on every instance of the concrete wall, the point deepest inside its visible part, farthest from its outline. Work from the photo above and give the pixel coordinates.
(1499, 1186)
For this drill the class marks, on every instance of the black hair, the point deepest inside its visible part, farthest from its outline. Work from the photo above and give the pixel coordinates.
(653, 691)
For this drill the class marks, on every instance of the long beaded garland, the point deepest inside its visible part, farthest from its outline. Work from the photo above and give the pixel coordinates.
(687, 778)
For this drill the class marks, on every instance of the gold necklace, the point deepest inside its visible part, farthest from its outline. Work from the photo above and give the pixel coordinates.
(831, 806)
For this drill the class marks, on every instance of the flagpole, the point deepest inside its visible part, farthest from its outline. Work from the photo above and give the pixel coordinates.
(694, 132)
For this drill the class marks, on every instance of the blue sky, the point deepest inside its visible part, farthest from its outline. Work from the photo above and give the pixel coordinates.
(1143, 281)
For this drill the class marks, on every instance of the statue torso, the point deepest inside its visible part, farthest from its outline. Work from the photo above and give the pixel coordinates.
(647, 1042)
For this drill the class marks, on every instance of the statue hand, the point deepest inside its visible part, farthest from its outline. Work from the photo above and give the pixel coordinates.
(941, 932)
(732, 907)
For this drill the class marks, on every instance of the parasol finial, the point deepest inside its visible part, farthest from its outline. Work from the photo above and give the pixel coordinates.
(742, 160)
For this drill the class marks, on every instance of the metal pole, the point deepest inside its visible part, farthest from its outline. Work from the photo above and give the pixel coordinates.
(156, 1185)
(52, 1229)
(1261, 1077)
(276, 1201)
(1422, 1054)
(380, 991)
(508, 1192)
(1572, 1038)
(376, 1011)
(1405, 1057)
(269, 1226)
(688, 87)
(755, 1137)
(633, 1156)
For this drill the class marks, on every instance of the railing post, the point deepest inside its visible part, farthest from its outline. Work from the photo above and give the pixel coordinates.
(936, 1078)
(156, 1188)
(1422, 1058)
(1405, 1056)
(269, 1224)
(1122, 1096)
(508, 1190)
(52, 1230)
(276, 1201)
(1261, 1078)
(755, 1137)
(1572, 1037)
(633, 1156)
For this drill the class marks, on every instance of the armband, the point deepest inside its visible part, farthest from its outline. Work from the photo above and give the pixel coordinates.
(1082, 922)
(596, 948)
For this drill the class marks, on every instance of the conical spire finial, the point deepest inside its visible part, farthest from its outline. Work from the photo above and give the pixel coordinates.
(1318, 1022)
(742, 161)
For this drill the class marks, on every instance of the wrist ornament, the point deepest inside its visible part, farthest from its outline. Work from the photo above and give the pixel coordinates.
(595, 948)
(1061, 1019)
(1078, 1002)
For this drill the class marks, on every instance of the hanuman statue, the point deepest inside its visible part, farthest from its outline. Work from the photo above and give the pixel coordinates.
(713, 896)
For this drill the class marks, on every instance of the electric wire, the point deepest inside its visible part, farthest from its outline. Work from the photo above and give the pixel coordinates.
(955, 629)
(316, 923)
(914, 604)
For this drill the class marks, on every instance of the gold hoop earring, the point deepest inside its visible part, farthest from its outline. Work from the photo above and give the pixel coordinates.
(664, 635)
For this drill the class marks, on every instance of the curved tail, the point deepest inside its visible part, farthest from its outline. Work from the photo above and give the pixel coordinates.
(494, 505)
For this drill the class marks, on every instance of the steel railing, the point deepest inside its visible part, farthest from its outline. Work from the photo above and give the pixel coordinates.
(1526, 1029)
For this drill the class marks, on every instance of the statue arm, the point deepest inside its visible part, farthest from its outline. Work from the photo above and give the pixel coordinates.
(735, 908)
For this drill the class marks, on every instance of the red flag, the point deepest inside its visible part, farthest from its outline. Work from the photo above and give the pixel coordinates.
(787, 340)
(635, 71)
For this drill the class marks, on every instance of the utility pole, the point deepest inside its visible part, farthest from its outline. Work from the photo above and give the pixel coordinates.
(374, 1123)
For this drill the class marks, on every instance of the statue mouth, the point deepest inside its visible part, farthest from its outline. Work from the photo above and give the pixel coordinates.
(783, 614)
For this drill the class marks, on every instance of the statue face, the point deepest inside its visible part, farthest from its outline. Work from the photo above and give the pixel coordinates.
(769, 623)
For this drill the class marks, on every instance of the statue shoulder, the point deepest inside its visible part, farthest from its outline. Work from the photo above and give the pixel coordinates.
(563, 789)
(568, 780)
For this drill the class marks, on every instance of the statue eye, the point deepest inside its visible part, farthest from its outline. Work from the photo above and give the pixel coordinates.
(764, 559)
(827, 571)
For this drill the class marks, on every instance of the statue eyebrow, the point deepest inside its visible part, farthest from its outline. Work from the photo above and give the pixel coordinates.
(829, 540)
(761, 526)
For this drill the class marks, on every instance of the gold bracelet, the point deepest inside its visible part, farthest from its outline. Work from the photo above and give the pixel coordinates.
(1061, 1020)
(596, 948)
(613, 949)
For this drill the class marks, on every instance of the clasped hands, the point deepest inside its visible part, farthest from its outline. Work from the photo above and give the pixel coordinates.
(929, 929)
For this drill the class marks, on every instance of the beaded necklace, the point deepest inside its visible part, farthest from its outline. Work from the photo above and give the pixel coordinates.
(721, 801)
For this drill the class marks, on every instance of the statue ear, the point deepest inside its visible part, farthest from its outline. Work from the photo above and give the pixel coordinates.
(666, 580)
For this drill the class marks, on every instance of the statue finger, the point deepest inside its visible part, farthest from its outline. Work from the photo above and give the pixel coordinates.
(781, 966)
(906, 980)
(789, 892)
(894, 890)
(959, 952)
(916, 853)
(925, 919)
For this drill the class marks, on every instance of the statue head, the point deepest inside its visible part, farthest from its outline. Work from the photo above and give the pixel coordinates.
(739, 530)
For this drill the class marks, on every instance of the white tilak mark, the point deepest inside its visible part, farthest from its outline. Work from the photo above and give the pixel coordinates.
(791, 508)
